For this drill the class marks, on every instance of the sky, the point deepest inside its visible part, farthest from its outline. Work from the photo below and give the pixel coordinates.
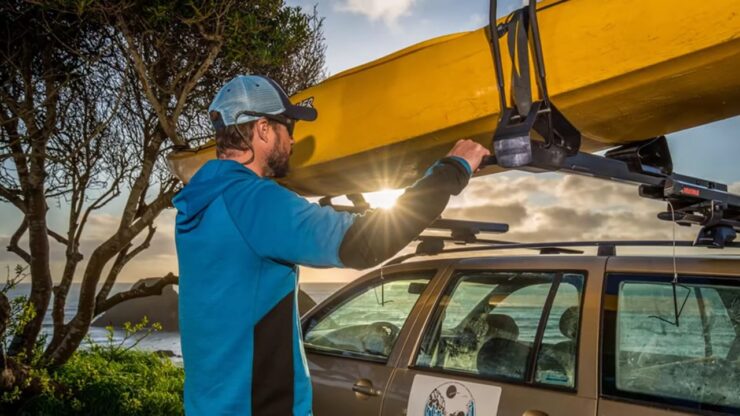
(542, 207)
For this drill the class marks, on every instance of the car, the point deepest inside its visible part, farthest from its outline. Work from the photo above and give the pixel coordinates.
(532, 334)
(561, 332)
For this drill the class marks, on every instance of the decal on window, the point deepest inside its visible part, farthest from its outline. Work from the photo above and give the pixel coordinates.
(437, 396)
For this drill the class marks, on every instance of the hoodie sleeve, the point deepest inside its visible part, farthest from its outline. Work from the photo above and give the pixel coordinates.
(379, 234)
(278, 224)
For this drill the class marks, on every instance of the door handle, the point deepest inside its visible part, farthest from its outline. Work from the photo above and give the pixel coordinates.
(364, 389)
(534, 413)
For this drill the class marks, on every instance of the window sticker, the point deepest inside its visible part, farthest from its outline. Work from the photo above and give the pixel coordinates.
(438, 396)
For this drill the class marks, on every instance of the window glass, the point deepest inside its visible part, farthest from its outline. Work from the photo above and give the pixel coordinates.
(487, 323)
(556, 363)
(722, 333)
(695, 358)
(368, 323)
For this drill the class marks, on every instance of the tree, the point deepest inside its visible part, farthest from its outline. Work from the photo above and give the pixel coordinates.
(93, 96)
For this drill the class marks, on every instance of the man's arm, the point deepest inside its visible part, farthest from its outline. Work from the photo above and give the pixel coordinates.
(379, 234)
(279, 224)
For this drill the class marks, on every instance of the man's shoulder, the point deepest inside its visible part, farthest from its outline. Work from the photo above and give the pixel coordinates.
(260, 190)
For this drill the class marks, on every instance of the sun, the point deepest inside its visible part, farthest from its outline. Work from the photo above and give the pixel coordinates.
(385, 198)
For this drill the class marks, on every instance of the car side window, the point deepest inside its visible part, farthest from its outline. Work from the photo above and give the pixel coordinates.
(366, 323)
(488, 324)
(556, 363)
(687, 359)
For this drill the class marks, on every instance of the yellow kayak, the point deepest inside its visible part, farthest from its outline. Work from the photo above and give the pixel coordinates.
(620, 70)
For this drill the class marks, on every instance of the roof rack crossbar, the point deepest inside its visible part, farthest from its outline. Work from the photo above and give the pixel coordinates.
(430, 245)
(463, 231)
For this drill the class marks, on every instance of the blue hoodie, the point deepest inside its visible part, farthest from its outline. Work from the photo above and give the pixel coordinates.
(239, 237)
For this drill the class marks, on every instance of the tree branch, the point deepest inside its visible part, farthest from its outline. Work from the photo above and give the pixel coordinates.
(164, 200)
(19, 156)
(110, 194)
(140, 69)
(124, 256)
(188, 87)
(13, 246)
(140, 292)
(138, 190)
(57, 237)
(12, 195)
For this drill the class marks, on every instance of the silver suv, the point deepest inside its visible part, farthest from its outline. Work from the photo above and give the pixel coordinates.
(531, 335)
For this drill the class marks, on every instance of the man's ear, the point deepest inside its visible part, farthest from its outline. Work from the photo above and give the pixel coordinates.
(262, 128)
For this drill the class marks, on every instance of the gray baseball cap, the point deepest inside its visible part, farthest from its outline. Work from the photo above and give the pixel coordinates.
(249, 97)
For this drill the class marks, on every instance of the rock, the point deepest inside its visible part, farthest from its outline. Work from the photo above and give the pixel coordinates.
(161, 308)
(166, 353)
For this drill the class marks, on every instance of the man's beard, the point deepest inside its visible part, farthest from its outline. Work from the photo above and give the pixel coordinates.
(278, 162)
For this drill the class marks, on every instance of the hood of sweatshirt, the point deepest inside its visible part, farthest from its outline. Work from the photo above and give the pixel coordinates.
(211, 180)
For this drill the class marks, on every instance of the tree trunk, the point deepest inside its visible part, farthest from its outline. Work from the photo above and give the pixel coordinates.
(74, 332)
(38, 242)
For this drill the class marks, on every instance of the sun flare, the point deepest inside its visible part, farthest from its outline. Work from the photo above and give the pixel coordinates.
(385, 198)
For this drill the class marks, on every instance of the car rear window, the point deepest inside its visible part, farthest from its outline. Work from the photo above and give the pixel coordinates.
(514, 326)
(675, 344)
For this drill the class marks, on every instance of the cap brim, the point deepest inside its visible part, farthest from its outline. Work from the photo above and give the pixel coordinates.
(298, 112)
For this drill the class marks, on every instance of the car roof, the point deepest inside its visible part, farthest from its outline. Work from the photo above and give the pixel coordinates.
(720, 263)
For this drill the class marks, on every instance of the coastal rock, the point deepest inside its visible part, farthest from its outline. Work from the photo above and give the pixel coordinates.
(166, 353)
(163, 309)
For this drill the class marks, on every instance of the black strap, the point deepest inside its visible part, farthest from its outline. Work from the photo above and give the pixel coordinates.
(519, 53)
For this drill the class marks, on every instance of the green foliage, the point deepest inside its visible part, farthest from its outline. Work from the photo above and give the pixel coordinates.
(22, 312)
(107, 379)
(131, 383)
(133, 335)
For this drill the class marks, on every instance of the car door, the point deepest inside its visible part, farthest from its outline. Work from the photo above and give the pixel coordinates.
(513, 336)
(350, 340)
(671, 347)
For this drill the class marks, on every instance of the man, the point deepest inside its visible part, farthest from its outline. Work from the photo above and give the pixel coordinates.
(240, 237)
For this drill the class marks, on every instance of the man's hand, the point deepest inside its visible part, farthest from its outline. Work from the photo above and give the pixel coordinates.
(471, 151)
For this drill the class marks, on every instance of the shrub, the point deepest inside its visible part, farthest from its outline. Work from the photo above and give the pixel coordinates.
(107, 379)
(132, 383)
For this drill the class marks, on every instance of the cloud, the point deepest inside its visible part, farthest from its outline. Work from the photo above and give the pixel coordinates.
(387, 10)
(734, 188)
(514, 213)
(556, 207)
(476, 20)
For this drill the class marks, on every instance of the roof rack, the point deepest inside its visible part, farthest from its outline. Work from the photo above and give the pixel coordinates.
(462, 232)
(604, 248)
(648, 164)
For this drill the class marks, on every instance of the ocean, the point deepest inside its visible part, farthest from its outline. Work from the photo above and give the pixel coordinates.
(156, 341)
